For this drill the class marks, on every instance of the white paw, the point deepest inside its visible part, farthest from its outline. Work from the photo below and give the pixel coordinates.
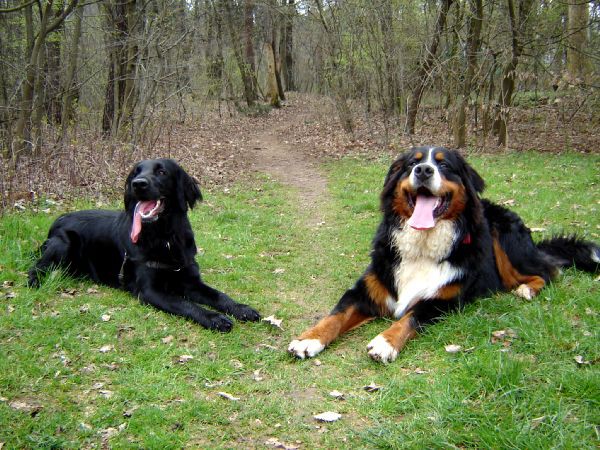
(524, 291)
(381, 350)
(305, 348)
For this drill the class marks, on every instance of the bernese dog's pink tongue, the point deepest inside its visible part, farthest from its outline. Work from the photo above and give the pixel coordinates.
(422, 216)
(136, 226)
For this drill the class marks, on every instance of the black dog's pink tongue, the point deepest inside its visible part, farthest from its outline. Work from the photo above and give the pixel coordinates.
(141, 208)
(422, 216)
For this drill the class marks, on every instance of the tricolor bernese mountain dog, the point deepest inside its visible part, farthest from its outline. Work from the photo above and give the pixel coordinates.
(438, 247)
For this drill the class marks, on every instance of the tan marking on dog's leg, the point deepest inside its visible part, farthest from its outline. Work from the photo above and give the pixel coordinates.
(527, 286)
(377, 292)
(315, 339)
(386, 346)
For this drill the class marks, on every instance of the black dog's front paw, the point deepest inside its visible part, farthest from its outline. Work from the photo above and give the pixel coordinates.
(245, 313)
(220, 323)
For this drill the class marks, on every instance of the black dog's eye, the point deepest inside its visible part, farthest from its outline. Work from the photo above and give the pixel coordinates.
(161, 172)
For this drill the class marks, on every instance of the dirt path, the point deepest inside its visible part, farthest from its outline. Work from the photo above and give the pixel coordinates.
(292, 166)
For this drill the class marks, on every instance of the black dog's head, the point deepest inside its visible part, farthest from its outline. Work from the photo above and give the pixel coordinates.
(155, 187)
(428, 184)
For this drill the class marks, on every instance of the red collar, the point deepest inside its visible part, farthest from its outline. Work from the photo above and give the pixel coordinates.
(467, 239)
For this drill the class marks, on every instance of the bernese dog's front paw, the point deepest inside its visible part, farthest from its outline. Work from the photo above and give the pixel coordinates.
(381, 350)
(305, 348)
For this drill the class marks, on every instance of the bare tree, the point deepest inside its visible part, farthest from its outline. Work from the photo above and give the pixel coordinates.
(474, 24)
(426, 65)
(518, 22)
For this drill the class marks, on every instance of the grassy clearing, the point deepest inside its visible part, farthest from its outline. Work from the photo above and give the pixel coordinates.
(521, 392)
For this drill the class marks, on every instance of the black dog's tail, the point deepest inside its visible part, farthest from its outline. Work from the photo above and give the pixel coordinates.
(569, 251)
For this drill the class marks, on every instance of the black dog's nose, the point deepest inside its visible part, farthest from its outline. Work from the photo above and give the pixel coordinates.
(423, 171)
(140, 183)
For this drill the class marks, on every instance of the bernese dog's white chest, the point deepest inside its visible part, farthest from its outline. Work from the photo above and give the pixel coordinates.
(422, 270)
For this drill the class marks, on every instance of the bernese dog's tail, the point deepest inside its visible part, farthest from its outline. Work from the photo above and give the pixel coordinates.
(567, 251)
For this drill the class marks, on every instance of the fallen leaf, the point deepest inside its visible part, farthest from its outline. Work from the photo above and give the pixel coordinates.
(228, 396)
(337, 395)
(256, 375)
(273, 321)
(84, 308)
(372, 387)
(105, 317)
(509, 202)
(278, 271)
(106, 348)
(29, 407)
(537, 229)
(580, 360)
(184, 358)
(453, 348)
(535, 422)
(167, 339)
(328, 416)
(92, 290)
(317, 362)
(7, 284)
(129, 412)
(420, 371)
(10, 294)
(275, 443)
(105, 393)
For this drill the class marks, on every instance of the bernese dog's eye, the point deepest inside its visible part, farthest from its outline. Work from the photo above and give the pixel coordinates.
(442, 165)
(411, 164)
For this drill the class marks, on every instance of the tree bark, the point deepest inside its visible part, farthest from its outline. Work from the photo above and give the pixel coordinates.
(517, 26)
(248, 76)
(69, 88)
(475, 21)
(577, 39)
(424, 70)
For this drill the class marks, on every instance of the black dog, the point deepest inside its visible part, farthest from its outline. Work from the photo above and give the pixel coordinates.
(438, 247)
(148, 249)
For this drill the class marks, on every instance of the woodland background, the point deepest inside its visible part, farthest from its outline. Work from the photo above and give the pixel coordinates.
(87, 87)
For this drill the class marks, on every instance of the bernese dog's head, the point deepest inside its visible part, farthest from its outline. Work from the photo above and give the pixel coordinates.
(430, 184)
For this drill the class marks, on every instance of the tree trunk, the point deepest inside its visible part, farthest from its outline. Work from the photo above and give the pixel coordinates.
(577, 28)
(69, 88)
(272, 89)
(35, 44)
(246, 72)
(517, 27)
(473, 44)
(287, 46)
(425, 66)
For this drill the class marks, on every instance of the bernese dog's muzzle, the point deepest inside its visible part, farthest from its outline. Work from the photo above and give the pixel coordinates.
(425, 197)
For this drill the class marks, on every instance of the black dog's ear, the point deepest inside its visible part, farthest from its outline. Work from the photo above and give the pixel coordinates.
(128, 196)
(188, 191)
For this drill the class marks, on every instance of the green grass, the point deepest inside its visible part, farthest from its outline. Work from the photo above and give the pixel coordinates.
(529, 394)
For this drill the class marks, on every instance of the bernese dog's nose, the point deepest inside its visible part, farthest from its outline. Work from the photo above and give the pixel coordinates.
(423, 171)
(140, 183)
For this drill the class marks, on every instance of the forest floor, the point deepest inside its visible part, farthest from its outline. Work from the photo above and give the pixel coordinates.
(222, 146)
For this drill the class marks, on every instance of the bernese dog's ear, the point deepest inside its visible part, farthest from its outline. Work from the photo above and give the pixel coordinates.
(474, 178)
(188, 192)
(395, 168)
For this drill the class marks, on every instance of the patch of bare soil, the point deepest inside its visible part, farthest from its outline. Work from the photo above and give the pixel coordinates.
(290, 164)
